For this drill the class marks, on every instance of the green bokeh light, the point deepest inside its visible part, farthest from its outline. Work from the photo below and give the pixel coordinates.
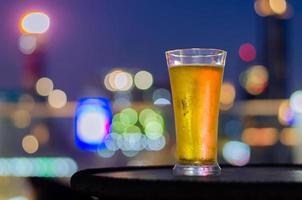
(154, 130)
(128, 116)
(133, 129)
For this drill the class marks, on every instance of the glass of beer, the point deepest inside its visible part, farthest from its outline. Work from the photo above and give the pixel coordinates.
(195, 76)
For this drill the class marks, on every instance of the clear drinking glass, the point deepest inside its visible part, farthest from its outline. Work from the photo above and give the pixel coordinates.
(195, 76)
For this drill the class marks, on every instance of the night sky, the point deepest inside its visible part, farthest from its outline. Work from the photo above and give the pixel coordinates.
(89, 37)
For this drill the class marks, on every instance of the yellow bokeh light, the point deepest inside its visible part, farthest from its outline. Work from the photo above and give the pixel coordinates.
(118, 80)
(262, 8)
(21, 118)
(278, 6)
(227, 95)
(255, 79)
(57, 98)
(285, 114)
(44, 86)
(260, 136)
(143, 80)
(289, 136)
(35, 23)
(123, 81)
(41, 132)
(30, 144)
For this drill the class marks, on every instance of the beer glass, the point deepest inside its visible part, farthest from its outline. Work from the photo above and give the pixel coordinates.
(195, 77)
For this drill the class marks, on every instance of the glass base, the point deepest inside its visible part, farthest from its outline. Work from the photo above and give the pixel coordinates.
(197, 170)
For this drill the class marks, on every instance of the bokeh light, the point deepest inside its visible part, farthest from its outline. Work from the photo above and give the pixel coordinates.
(27, 44)
(35, 22)
(285, 113)
(105, 153)
(236, 153)
(161, 96)
(278, 6)
(154, 130)
(44, 86)
(123, 81)
(296, 101)
(41, 132)
(262, 8)
(227, 96)
(155, 145)
(260, 136)
(93, 118)
(21, 118)
(112, 141)
(38, 167)
(128, 116)
(289, 137)
(143, 80)
(162, 102)
(255, 79)
(247, 52)
(130, 153)
(57, 98)
(118, 80)
(30, 144)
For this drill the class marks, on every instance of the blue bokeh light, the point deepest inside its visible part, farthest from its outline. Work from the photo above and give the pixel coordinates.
(92, 123)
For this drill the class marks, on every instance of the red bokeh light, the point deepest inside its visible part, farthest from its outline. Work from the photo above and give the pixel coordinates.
(247, 52)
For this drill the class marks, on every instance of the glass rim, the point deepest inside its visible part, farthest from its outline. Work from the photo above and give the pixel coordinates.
(220, 52)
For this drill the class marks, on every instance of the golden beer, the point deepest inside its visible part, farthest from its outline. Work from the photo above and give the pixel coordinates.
(196, 92)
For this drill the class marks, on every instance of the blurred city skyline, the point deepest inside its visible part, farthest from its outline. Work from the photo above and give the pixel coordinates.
(87, 39)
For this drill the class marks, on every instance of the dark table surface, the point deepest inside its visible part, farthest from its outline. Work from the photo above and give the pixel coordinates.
(250, 182)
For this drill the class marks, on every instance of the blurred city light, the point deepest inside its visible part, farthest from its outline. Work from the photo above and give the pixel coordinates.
(123, 81)
(57, 98)
(27, 44)
(44, 86)
(161, 96)
(289, 137)
(112, 141)
(38, 167)
(126, 133)
(227, 96)
(130, 153)
(260, 136)
(278, 6)
(262, 8)
(21, 118)
(236, 153)
(155, 144)
(143, 80)
(118, 80)
(255, 79)
(105, 153)
(30, 144)
(128, 116)
(92, 122)
(41, 132)
(162, 101)
(296, 101)
(285, 114)
(154, 130)
(35, 23)
(247, 52)
(270, 7)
